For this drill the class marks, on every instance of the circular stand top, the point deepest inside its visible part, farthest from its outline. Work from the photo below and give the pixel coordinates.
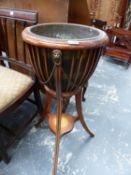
(64, 36)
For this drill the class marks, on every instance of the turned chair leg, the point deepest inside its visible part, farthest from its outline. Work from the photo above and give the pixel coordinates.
(78, 97)
(46, 110)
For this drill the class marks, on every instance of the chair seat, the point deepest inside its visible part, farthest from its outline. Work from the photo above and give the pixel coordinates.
(13, 85)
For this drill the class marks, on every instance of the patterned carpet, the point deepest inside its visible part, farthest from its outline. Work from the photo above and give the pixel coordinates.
(107, 111)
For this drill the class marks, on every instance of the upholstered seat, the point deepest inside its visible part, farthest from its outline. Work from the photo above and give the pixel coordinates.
(13, 85)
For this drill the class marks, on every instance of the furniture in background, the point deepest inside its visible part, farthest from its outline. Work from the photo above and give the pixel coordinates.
(17, 80)
(64, 57)
(120, 39)
(120, 44)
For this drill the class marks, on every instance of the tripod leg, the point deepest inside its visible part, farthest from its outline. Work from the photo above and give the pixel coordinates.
(79, 110)
(57, 145)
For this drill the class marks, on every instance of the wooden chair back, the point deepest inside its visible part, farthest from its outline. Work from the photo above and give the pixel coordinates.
(15, 87)
(12, 22)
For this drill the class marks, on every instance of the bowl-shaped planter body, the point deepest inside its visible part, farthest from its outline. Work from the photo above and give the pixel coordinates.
(81, 48)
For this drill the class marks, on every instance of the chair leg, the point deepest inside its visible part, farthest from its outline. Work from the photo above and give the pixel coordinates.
(83, 94)
(46, 110)
(38, 100)
(66, 102)
(84, 91)
(128, 62)
(4, 155)
(78, 97)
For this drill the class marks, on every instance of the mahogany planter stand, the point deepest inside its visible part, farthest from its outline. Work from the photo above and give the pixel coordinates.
(63, 56)
(67, 120)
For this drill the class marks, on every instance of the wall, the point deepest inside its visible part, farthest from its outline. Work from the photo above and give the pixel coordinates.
(54, 10)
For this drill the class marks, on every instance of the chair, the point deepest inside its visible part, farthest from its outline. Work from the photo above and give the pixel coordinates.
(120, 44)
(120, 38)
(100, 24)
(17, 81)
